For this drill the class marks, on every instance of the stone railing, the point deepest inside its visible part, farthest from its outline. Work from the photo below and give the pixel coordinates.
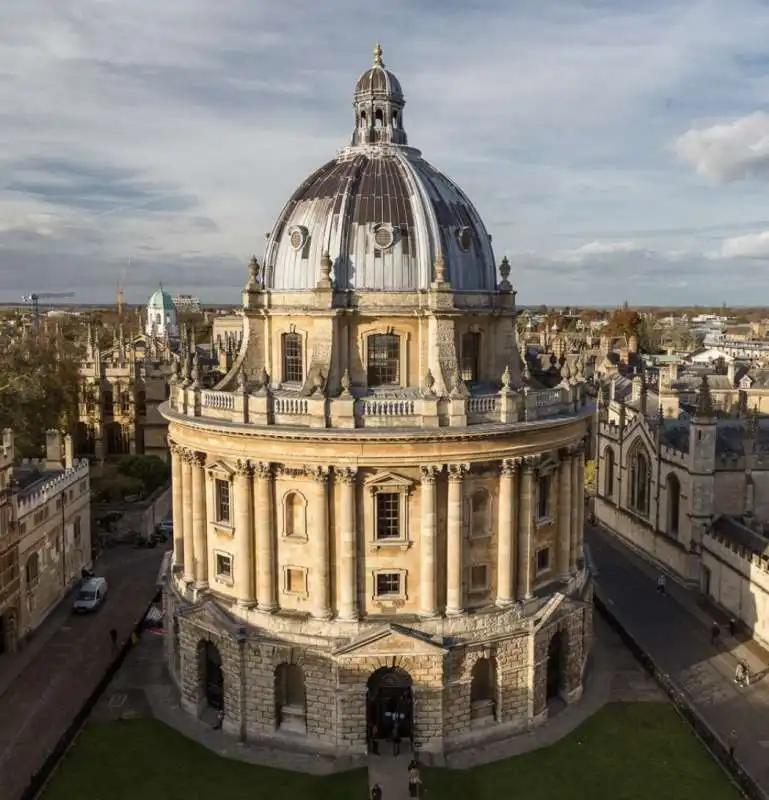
(394, 410)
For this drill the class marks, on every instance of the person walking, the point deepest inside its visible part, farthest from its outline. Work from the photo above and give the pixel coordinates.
(415, 782)
(715, 633)
(732, 742)
(661, 583)
(376, 792)
(739, 674)
(113, 639)
(732, 627)
(375, 739)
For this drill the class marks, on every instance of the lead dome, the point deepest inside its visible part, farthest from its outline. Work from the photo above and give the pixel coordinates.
(379, 211)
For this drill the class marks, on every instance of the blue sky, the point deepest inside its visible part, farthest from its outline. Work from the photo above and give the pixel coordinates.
(617, 150)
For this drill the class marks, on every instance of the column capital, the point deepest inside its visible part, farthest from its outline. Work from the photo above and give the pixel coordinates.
(345, 475)
(175, 448)
(318, 473)
(244, 468)
(530, 463)
(457, 472)
(262, 470)
(194, 457)
(577, 449)
(510, 466)
(428, 473)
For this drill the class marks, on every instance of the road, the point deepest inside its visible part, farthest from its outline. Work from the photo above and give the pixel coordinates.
(675, 632)
(40, 702)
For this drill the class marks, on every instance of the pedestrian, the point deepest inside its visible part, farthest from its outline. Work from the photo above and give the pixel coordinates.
(732, 626)
(415, 782)
(739, 674)
(661, 583)
(732, 742)
(219, 720)
(715, 632)
(413, 764)
(376, 792)
(375, 739)
(113, 638)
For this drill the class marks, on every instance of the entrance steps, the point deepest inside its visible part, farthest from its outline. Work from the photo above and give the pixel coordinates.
(390, 772)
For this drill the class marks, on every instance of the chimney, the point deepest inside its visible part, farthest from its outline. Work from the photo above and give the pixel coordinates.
(8, 443)
(54, 449)
(69, 452)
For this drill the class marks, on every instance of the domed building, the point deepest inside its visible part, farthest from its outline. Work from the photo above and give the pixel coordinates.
(161, 315)
(378, 511)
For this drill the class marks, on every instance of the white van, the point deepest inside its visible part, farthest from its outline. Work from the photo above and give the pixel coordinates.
(91, 595)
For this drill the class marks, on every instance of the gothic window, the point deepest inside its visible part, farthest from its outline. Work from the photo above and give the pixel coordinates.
(608, 489)
(222, 500)
(125, 402)
(640, 481)
(383, 360)
(673, 493)
(471, 352)
(293, 363)
(33, 571)
(109, 403)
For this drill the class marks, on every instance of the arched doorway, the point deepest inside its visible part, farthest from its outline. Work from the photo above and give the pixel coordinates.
(554, 666)
(390, 702)
(213, 675)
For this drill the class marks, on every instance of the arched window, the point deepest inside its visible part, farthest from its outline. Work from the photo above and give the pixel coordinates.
(479, 513)
(608, 460)
(483, 691)
(125, 402)
(294, 515)
(471, 353)
(640, 481)
(293, 362)
(383, 360)
(673, 495)
(378, 118)
(290, 698)
(32, 570)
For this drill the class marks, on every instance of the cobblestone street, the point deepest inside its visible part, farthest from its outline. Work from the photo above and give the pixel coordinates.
(44, 686)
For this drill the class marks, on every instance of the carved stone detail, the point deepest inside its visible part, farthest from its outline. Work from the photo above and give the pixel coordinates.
(457, 472)
(510, 466)
(318, 473)
(194, 457)
(428, 473)
(263, 470)
(244, 467)
(345, 475)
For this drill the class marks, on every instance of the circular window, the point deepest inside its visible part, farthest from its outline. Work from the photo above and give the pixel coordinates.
(383, 237)
(465, 238)
(297, 236)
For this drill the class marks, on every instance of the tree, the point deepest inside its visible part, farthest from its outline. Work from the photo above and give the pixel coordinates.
(590, 477)
(152, 471)
(39, 379)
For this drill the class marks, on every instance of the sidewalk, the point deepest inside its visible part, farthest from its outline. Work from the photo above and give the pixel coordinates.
(675, 630)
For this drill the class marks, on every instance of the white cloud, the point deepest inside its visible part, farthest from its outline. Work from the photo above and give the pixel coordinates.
(729, 151)
(172, 133)
(752, 245)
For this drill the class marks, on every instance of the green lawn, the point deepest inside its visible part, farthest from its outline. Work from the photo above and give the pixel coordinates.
(630, 751)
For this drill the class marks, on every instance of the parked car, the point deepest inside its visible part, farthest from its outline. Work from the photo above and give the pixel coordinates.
(91, 595)
(166, 526)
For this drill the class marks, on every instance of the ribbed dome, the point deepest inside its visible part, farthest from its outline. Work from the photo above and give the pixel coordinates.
(380, 211)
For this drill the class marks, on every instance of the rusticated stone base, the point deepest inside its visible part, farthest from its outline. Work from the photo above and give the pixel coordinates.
(315, 692)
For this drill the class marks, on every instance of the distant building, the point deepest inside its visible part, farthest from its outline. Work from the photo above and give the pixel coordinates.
(45, 533)
(161, 316)
(187, 304)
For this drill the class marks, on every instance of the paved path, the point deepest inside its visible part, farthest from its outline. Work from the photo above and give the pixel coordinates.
(44, 686)
(675, 630)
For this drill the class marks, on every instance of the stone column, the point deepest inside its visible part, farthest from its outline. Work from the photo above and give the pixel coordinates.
(428, 594)
(574, 463)
(319, 566)
(580, 532)
(454, 562)
(563, 556)
(189, 542)
(347, 583)
(525, 530)
(244, 534)
(199, 520)
(265, 538)
(508, 526)
(177, 503)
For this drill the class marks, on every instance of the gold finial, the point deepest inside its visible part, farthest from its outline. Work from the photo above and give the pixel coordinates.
(378, 56)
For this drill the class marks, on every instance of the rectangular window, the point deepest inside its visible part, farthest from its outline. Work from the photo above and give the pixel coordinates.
(77, 533)
(295, 583)
(388, 584)
(223, 566)
(471, 351)
(543, 497)
(293, 363)
(543, 559)
(388, 515)
(479, 577)
(383, 367)
(222, 490)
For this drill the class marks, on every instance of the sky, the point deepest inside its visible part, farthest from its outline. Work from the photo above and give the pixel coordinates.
(617, 150)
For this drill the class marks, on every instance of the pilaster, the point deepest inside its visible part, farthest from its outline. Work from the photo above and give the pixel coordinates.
(177, 503)
(428, 595)
(319, 571)
(454, 559)
(187, 532)
(199, 521)
(244, 534)
(507, 528)
(574, 538)
(563, 554)
(265, 538)
(525, 530)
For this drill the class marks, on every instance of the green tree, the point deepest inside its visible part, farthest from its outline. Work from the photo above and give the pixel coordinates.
(591, 471)
(39, 379)
(152, 471)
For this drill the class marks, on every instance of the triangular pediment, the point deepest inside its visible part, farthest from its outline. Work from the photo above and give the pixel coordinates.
(210, 616)
(388, 479)
(391, 640)
(221, 467)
